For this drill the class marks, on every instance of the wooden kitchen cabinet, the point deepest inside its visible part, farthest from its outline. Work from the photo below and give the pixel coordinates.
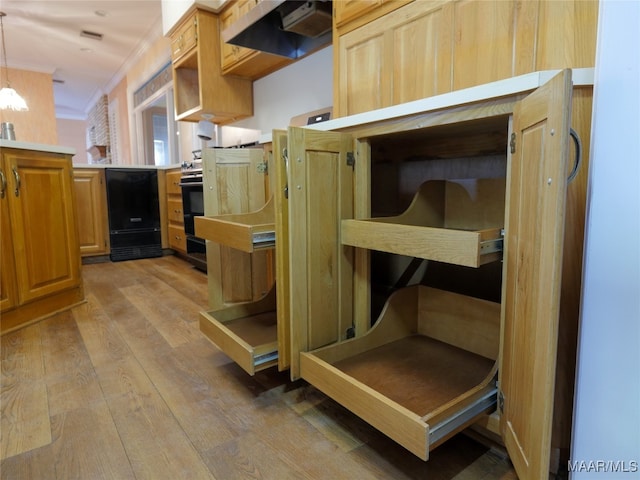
(432, 47)
(40, 249)
(91, 211)
(235, 182)
(422, 253)
(241, 320)
(242, 61)
(428, 366)
(199, 86)
(175, 214)
(350, 14)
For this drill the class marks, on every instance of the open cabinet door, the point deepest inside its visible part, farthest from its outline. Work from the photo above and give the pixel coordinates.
(534, 233)
(281, 196)
(321, 278)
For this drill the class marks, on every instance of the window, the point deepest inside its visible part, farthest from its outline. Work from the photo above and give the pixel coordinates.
(155, 126)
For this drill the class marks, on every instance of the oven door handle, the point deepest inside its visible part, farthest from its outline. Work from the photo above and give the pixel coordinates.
(191, 184)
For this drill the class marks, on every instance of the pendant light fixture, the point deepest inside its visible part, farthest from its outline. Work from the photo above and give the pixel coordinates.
(9, 98)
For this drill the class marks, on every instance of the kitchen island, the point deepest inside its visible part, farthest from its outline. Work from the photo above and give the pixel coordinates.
(40, 261)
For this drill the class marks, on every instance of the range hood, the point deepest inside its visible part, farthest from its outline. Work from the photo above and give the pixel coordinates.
(290, 29)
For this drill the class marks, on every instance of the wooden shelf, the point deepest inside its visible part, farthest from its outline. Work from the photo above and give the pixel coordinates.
(247, 332)
(425, 371)
(457, 222)
(245, 231)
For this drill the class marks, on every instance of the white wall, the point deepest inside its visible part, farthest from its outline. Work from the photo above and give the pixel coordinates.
(301, 87)
(607, 409)
(73, 133)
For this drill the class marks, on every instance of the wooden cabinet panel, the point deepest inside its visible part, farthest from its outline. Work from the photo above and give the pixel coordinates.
(184, 39)
(175, 214)
(428, 48)
(483, 39)
(45, 241)
(8, 287)
(533, 270)
(177, 238)
(234, 184)
(400, 57)
(362, 73)
(91, 211)
(347, 10)
(242, 61)
(320, 196)
(200, 88)
(40, 249)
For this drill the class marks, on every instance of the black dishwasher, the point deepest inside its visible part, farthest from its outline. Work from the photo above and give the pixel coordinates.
(134, 213)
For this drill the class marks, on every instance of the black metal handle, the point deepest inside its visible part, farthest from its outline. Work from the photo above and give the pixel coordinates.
(578, 144)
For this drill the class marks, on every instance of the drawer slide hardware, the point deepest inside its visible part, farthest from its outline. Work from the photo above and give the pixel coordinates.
(461, 417)
(264, 239)
(491, 246)
(265, 358)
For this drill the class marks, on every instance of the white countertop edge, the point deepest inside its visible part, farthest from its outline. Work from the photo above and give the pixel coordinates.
(39, 147)
(96, 166)
(500, 88)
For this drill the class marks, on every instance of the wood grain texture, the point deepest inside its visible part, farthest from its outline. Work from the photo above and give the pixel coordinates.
(181, 411)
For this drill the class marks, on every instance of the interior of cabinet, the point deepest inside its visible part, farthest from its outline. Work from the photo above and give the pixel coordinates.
(187, 77)
(471, 158)
(426, 368)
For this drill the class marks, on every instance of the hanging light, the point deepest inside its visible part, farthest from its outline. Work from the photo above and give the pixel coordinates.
(9, 98)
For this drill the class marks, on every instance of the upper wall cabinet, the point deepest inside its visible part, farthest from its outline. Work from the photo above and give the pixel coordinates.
(430, 47)
(200, 88)
(243, 61)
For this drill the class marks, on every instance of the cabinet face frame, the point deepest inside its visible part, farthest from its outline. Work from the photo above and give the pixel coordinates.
(552, 99)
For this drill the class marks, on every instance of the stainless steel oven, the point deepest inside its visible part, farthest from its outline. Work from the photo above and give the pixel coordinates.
(193, 206)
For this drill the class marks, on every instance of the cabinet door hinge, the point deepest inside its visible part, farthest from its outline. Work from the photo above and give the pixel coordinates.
(351, 332)
(500, 402)
(351, 159)
(262, 167)
(512, 143)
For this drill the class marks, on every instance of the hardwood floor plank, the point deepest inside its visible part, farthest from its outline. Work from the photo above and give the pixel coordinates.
(70, 376)
(251, 458)
(34, 464)
(177, 325)
(101, 337)
(87, 445)
(23, 393)
(137, 392)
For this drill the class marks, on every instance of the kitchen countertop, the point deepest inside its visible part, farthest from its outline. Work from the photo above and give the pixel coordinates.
(137, 167)
(38, 147)
(500, 88)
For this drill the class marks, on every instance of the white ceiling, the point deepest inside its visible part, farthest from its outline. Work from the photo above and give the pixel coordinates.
(44, 36)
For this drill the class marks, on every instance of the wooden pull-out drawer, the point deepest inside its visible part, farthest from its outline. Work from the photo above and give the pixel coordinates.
(173, 183)
(424, 372)
(454, 222)
(177, 238)
(246, 332)
(174, 211)
(245, 231)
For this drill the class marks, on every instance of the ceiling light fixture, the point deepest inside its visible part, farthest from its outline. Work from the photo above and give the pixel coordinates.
(9, 98)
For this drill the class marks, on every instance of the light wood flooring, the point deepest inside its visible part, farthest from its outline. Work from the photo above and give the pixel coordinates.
(126, 387)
